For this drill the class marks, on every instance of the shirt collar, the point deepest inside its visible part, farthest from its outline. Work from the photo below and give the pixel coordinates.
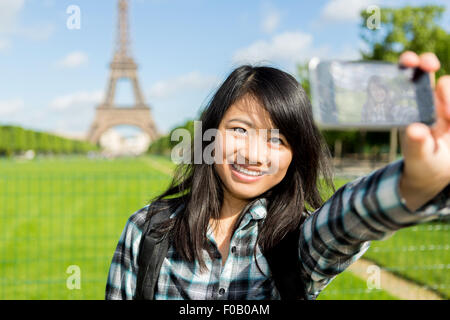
(258, 209)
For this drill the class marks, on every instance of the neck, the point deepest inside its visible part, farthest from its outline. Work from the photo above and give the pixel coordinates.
(231, 208)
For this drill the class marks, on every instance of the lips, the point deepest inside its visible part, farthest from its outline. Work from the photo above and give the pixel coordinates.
(243, 174)
(247, 171)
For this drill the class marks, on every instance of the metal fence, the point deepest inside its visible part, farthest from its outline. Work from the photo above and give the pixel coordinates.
(60, 220)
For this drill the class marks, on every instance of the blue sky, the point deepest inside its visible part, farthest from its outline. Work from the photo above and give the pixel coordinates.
(52, 77)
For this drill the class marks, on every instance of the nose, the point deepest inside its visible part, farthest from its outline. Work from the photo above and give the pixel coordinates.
(255, 151)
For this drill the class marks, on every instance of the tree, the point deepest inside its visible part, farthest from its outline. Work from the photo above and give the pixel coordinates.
(408, 28)
(164, 144)
(303, 77)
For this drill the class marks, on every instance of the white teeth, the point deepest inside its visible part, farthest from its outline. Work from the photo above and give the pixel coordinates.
(247, 172)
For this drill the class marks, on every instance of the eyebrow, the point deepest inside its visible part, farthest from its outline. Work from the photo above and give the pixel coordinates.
(250, 124)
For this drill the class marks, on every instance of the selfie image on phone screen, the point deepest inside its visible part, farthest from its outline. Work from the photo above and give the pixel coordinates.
(369, 94)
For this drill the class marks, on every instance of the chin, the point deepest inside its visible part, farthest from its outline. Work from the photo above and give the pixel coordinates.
(244, 191)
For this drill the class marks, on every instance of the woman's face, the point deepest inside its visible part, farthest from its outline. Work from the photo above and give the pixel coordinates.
(378, 92)
(253, 156)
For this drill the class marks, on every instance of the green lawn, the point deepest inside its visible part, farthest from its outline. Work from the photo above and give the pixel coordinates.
(57, 213)
(63, 212)
(347, 286)
(420, 253)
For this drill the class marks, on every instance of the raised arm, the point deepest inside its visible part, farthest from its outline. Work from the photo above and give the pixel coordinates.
(369, 208)
(409, 191)
(426, 149)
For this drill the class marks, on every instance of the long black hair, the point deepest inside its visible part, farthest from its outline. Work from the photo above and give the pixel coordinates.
(199, 188)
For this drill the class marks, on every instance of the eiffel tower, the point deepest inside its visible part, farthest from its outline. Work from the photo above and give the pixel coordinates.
(122, 66)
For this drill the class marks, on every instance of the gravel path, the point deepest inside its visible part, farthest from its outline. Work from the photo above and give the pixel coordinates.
(395, 285)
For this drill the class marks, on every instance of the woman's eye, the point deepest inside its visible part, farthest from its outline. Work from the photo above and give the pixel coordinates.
(239, 130)
(276, 140)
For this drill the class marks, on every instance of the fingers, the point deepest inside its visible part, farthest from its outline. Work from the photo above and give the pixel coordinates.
(419, 140)
(417, 131)
(443, 97)
(409, 59)
(429, 62)
(426, 61)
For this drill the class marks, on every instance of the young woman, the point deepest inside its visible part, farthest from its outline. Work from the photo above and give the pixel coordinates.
(380, 106)
(378, 102)
(263, 185)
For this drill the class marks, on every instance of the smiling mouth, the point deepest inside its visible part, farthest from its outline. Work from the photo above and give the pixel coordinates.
(243, 170)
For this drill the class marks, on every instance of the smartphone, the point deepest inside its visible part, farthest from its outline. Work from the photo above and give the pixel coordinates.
(370, 95)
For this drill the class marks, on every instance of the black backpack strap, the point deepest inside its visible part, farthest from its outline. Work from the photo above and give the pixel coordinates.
(152, 252)
(285, 266)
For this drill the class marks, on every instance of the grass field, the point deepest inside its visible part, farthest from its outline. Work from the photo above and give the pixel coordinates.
(64, 212)
(55, 213)
(420, 253)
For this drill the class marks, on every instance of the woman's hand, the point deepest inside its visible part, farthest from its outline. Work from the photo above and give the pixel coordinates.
(426, 150)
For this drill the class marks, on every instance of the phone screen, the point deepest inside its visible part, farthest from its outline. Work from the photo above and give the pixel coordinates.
(369, 94)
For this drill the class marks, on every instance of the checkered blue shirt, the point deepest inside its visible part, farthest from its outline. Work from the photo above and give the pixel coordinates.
(332, 238)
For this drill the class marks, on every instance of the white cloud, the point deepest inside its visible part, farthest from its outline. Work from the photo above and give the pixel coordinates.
(189, 81)
(287, 47)
(11, 107)
(9, 12)
(270, 21)
(81, 99)
(344, 10)
(10, 25)
(38, 32)
(4, 44)
(73, 60)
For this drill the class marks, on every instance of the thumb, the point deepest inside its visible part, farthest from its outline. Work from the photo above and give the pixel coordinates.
(419, 141)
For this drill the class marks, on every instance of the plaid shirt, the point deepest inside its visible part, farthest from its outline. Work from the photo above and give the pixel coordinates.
(332, 238)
